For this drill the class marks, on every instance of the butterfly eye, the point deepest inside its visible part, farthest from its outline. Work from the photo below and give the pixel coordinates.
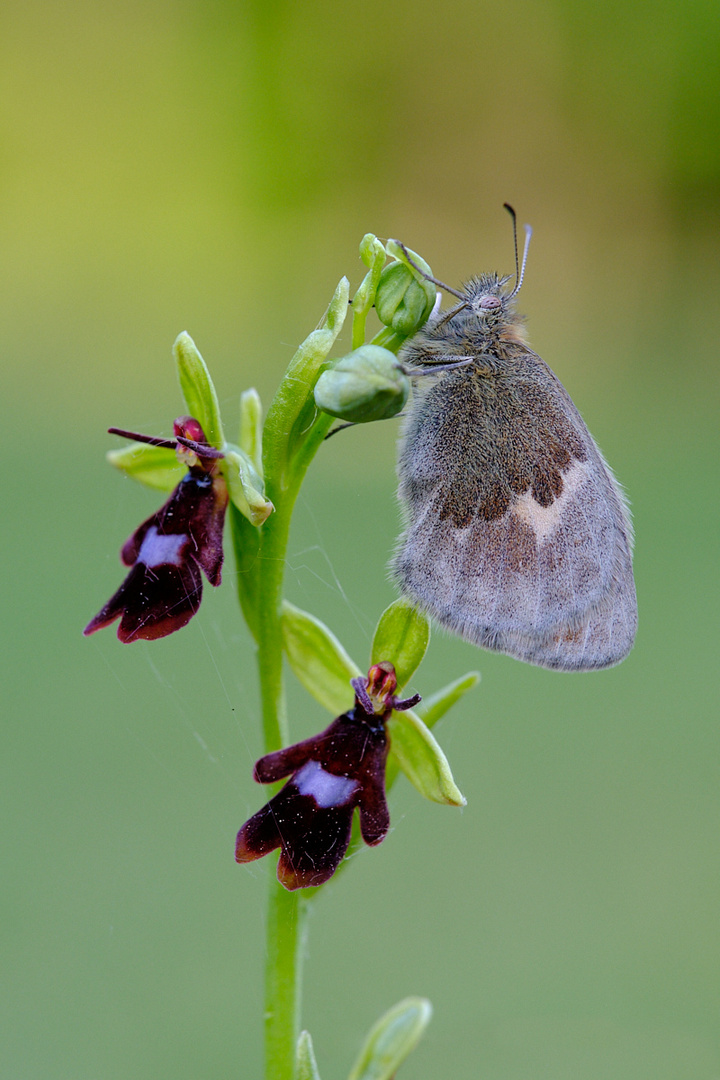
(490, 303)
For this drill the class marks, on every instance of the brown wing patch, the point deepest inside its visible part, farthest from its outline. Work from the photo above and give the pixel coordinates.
(547, 485)
(482, 438)
(458, 505)
(462, 505)
(494, 503)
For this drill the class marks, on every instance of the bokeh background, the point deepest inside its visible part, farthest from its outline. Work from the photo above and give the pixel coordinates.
(211, 166)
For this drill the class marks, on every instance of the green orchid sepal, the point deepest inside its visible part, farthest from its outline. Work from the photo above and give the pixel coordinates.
(433, 708)
(318, 659)
(198, 389)
(415, 750)
(401, 636)
(156, 467)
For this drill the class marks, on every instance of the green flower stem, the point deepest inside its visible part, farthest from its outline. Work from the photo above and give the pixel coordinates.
(286, 925)
(293, 432)
(311, 445)
(271, 570)
(286, 911)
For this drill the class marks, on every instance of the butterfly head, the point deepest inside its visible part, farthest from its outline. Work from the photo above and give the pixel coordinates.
(486, 297)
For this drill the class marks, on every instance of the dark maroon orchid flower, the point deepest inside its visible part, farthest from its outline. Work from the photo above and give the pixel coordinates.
(332, 773)
(163, 590)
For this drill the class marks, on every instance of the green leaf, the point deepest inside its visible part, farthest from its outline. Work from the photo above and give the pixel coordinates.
(401, 637)
(198, 388)
(416, 751)
(433, 708)
(318, 659)
(155, 466)
(245, 486)
(391, 1039)
(251, 428)
(306, 1065)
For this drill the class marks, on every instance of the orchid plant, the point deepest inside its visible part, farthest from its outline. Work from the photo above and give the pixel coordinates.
(353, 762)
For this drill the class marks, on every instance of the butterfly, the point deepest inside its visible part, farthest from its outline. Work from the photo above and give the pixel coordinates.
(517, 536)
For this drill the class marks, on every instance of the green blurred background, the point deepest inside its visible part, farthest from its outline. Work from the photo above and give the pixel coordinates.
(212, 166)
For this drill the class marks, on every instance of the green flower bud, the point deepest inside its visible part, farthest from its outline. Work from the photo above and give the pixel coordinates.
(367, 384)
(306, 1065)
(373, 255)
(290, 421)
(391, 1039)
(371, 249)
(404, 297)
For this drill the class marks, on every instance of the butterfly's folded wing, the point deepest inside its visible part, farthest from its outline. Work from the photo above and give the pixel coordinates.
(517, 536)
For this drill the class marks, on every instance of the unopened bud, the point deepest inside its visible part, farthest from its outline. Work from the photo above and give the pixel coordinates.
(367, 384)
(404, 298)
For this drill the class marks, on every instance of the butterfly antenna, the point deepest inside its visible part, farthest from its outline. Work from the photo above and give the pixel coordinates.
(429, 277)
(513, 215)
(519, 269)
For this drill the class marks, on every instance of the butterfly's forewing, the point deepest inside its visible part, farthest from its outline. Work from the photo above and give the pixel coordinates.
(517, 536)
